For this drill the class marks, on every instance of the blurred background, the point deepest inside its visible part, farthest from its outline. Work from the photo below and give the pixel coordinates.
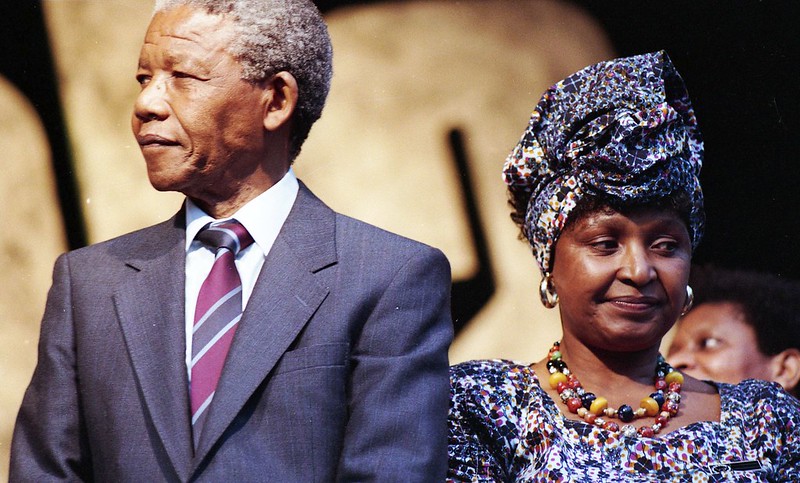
(428, 98)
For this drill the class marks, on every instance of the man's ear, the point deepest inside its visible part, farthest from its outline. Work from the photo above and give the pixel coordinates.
(786, 368)
(280, 100)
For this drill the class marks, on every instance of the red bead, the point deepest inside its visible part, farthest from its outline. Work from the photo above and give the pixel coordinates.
(671, 407)
(573, 382)
(589, 418)
(646, 432)
(662, 420)
(675, 387)
(560, 387)
(611, 426)
(573, 404)
(661, 384)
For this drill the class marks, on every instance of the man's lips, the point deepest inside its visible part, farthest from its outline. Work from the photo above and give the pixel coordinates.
(155, 140)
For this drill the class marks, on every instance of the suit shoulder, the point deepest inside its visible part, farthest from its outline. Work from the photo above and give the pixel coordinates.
(366, 234)
(121, 246)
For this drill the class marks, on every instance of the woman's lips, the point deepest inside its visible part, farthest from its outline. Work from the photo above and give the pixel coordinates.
(634, 303)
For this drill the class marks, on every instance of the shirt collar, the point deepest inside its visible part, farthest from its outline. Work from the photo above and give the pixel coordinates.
(263, 216)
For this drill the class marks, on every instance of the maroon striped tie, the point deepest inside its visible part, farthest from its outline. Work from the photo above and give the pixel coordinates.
(219, 308)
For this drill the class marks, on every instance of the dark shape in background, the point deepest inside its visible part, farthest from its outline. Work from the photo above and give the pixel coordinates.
(26, 61)
(469, 296)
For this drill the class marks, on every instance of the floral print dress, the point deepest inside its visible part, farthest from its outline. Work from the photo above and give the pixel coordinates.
(503, 427)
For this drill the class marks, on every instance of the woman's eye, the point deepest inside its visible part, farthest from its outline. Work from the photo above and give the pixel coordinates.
(604, 245)
(666, 245)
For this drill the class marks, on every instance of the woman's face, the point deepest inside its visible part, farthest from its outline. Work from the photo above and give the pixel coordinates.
(621, 279)
(715, 342)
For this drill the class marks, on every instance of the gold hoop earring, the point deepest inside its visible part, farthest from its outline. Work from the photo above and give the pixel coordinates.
(689, 300)
(547, 292)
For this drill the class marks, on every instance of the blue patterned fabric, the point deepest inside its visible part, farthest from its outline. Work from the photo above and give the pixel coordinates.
(503, 427)
(623, 129)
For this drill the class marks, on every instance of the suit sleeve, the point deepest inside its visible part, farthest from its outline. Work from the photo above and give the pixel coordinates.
(49, 439)
(398, 395)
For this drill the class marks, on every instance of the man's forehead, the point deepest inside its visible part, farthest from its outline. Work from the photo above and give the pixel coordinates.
(188, 24)
(176, 32)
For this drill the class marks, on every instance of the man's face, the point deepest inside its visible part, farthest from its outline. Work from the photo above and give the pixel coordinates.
(199, 125)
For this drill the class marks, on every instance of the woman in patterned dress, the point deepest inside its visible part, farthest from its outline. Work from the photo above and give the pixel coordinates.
(605, 187)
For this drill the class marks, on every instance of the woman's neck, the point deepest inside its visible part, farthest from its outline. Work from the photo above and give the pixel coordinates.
(607, 365)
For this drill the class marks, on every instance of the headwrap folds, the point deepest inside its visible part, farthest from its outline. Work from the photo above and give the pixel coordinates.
(623, 129)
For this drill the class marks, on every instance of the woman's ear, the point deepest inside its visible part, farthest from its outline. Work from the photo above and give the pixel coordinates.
(786, 368)
(280, 100)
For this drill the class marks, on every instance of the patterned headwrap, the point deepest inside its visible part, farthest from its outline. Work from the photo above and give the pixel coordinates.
(623, 129)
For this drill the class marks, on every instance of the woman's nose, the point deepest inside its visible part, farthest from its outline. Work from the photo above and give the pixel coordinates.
(637, 266)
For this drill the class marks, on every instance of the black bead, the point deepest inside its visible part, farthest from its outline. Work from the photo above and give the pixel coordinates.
(625, 413)
(587, 399)
(659, 397)
(557, 364)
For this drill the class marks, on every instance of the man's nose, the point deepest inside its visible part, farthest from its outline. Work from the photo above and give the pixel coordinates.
(151, 103)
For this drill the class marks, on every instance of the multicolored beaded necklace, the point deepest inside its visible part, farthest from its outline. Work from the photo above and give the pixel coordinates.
(592, 408)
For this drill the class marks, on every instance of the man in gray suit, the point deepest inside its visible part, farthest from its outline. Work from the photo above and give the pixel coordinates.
(257, 335)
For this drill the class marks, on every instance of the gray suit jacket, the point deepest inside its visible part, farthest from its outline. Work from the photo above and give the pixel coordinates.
(337, 371)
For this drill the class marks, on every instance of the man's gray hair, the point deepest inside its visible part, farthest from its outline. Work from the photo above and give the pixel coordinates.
(275, 36)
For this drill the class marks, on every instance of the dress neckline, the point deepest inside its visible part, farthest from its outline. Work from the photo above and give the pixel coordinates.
(563, 422)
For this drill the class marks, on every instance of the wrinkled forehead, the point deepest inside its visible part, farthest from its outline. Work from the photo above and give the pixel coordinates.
(183, 30)
(190, 24)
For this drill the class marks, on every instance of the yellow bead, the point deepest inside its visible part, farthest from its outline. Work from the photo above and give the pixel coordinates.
(557, 377)
(674, 376)
(598, 406)
(650, 405)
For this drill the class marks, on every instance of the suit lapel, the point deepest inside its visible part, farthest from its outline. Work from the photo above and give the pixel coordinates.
(150, 309)
(284, 298)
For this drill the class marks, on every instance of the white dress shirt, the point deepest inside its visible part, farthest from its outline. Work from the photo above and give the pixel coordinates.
(263, 217)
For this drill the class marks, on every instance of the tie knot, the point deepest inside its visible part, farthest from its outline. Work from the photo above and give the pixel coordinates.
(228, 234)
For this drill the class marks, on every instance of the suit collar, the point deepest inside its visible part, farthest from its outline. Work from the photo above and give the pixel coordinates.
(150, 309)
(286, 295)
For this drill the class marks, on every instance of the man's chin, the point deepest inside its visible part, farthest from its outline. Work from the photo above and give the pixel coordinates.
(163, 182)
